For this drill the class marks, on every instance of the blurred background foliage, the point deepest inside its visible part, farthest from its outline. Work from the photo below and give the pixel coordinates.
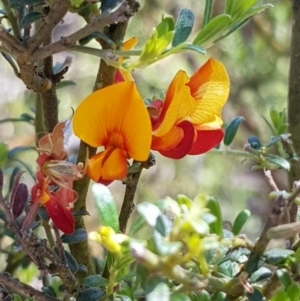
(257, 60)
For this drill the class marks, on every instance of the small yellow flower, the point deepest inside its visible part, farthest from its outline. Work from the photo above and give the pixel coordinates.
(108, 238)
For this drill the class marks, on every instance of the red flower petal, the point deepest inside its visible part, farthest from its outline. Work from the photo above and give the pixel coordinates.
(205, 141)
(184, 145)
(61, 216)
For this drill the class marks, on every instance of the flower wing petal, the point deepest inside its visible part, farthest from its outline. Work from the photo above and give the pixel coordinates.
(210, 88)
(205, 141)
(177, 105)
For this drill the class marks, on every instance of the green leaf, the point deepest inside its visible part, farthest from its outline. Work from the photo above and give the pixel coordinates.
(163, 225)
(207, 11)
(238, 8)
(166, 25)
(82, 268)
(97, 35)
(157, 289)
(213, 27)
(27, 117)
(284, 277)
(229, 268)
(203, 296)
(183, 27)
(275, 118)
(22, 3)
(72, 262)
(123, 298)
(3, 153)
(231, 130)
(149, 212)
(95, 281)
(196, 48)
(49, 291)
(179, 297)
(215, 209)
(90, 294)
(106, 206)
(16, 297)
(137, 225)
(31, 18)
(240, 221)
(78, 236)
(254, 263)
(256, 296)
(280, 296)
(255, 10)
(220, 296)
(293, 291)
(269, 125)
(276, 162)
(275, 256)
(15, 151)
(261, 274)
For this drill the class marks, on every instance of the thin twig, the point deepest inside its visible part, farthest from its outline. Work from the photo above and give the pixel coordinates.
(12, 19)
(11, 43)
(23, 288)
(131, 186)
(270, 180)
(55, 16)
(119, 15)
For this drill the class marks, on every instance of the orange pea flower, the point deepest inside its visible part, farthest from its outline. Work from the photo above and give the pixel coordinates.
(115, 118)
(189, 122)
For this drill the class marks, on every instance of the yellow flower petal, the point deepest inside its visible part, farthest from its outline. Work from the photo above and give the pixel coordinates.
(178, 104)
(210, 87)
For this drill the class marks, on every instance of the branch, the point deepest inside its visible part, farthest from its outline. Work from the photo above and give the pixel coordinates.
(11, 43)
(23, 288)
(56, 14)
(49, 97)
(131, 185)
(293, 98)
(118, 15)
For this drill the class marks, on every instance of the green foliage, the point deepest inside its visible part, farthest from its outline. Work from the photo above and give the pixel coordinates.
(78, 236)
(232, 129)
(31, 18)
(106, 207)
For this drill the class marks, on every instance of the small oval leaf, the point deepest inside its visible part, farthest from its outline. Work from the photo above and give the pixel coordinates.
(20, 200)
(216, 227)
(31, 18)
(231, 130)
(90, 294)
(183, 27)
(240, 221)
(95, 281)
(149, 212)
(106, 206)
(78, 236)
